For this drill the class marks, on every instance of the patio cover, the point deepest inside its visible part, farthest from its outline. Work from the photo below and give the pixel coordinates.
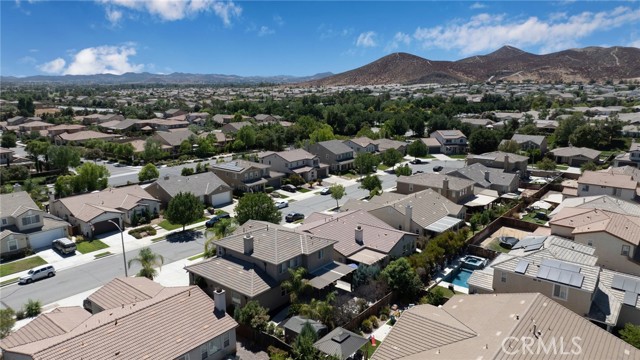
(367, 256)
(480, 200)
(328, 274)
(444, 224)
(303, 170)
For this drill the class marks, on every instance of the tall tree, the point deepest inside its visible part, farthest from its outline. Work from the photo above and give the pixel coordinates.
(63, 157)
(8, 140)
(402, 278)
(148, 260)
(152, 150)
(302, 348)
(7, 321)
(586, 136)
(371, 182)
(184, 209)
(365, 162)
(296, 286)
(257, 206)
(510, 146)
(337, 192)
(247, 134)
(252, 315)
(483, 140)
(148, 172)
(404, 170)
(417, 148)
(26, 106)
(391, 157)
(322, 133)
(566, 127)
(36, 149)
(92, 176)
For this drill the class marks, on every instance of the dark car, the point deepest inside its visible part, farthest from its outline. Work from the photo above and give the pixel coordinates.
(437, 168)
(215, 219)
(541, 216)
(295, 216)
(289, 188)
(416, 161)
(508, 242)
(419, 172)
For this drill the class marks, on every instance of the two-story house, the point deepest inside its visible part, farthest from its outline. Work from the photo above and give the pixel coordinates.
(451, 141)
(173, 139)
(247, 176)
(631, 157)
(386, 144)
(453, 188)
(297, 161)
(511, 163)
(362, 144)
(487, 178)
(252, 263)
(531, 142)
(605, 183)
(339, 156)
(24, 225)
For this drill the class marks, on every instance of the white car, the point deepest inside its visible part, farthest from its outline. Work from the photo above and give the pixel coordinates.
(37, 273)
(325, 191)
(281, 204)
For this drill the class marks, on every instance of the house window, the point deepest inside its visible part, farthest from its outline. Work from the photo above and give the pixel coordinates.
(590, 242)
(235, 298)
(293, 262)
(204, 352)
(215, 345)
(560, 292)
(4, 221)
(283, 291)
(585, 188)
(28, 220)
(626, 249)
(183, 357)
(321, 254)
(13, 244)
(410, 187)
(503, 277)
(225, 340)
(617, 192)
(282, 267)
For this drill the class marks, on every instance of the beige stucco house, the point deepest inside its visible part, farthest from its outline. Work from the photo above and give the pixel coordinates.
(453, 188)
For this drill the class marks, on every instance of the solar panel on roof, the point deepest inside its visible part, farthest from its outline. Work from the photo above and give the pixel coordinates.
(522, 266)
(576, 280)
(531, 243)
(561, 265)
(561, 276)
(629, 285)
(630, 298)
(618, 282)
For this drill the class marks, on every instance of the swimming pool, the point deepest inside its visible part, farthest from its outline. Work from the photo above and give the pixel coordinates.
(459, 277)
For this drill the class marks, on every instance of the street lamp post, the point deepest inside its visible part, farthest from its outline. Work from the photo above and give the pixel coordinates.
(124, 256)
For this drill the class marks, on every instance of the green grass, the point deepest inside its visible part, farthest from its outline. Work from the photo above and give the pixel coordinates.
(458, 156)
(304, 190)
(20, 265)
(9, 282)
(283, 196)
(195, 257)
(383, 167)
(350, 176)
(529, 217)
(165, 224)
(101, 255)
(220, 212)
(86, 247)
(562, 167)
(448, 293)
(158, 239)
(367, 348)
(495, 246)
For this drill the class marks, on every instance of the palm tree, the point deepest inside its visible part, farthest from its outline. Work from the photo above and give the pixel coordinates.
(224, 228)
(321, 310)
(147, 259)
(296, 285)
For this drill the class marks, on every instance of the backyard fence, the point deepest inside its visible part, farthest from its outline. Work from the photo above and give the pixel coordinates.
(482, 252)
(374, 309)
(261, 338)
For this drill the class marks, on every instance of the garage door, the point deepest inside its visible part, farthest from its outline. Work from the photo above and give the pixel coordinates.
(221, 199)
(44, 239)
(105, 226)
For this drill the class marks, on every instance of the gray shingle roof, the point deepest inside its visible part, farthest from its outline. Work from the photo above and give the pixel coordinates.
(335, 146)
(240, 276)
(340, 342)
(575, 151)
(174, 138)
(476, 172)
(199, 184)
(499, 156)
(436, 181)
(10, 203)
(521, 138)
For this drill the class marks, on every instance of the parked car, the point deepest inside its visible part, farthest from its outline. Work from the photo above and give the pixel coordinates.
(289, 188)
(508, 242)
(295, 216)
(281, 204)
(211, 222)
(416, 161)
(325, 191)
(419, 172)
(37, 273)
(64, 246)
(437, 168)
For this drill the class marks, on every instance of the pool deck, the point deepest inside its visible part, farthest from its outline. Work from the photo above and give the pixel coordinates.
(439, 281)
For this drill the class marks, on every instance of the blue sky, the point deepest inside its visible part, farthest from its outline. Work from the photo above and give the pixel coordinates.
(290, 37)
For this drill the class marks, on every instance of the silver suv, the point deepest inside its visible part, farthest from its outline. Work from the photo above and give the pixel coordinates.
(37, 273)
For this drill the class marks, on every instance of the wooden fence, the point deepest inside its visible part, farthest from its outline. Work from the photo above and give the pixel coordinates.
(482, 252)
(374, 309)
(261, 338)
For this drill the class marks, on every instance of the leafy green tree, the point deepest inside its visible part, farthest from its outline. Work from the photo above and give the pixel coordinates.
(546, 164)
(224, 227)
(321, 310)
(566, 127)
(7, 321)
(391, 157)
(148, 172)
(296, 286)
(185, 147)
(296, 180)
(302, 348)
(148, 260)
(510, 146)
(92, 177)
(93, 154)
(528, 129)
(26, 106)
(247, 134)
(64, 186)
(365, 162)
(404, 170)
(36, 149)
(631, 334)
(482, 141)
(257, 206)
(323, 133)
(337, 192)
(402, 278)
(187, 171)
(152, 151)
(588, 166)
(8, 140)
(418, 149)
(435, 297)
(63, 157)
(371, 182)
(184, 209)
(586, 136)
(252, 315)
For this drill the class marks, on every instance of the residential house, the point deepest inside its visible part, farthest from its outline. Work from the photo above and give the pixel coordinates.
(24, 225)
(265, 118)
(630, 158)
(99, 212)
(293, 326)
(339, 156)
(100, 118)
(80, 137)
(433, 145)
(531, 142)
(453, 188)
(174, 138)
(219, 138)
(386, 144)
(602, 183)
(547, 126)
(222, 119)
(361, 238)
(234, 127)
(65, 128)
(197, 118)
(499, 326)
(361, 145)
(487, 178)
(39, 126)
(247, 176)
(171, 124)
(173, 113)
(575, 156)
(451, 141)
(511, 163)
(478, 122)
(252, 263)
(184, 321)
(425, 212)
(602, 202)
(6, 155)
(207, 186)
(296, 161)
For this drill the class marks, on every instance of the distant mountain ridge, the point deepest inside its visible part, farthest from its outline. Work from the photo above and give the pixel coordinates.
(174, 78)
(507, 63)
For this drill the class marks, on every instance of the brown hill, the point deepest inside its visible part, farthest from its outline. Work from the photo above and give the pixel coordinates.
(507, 63)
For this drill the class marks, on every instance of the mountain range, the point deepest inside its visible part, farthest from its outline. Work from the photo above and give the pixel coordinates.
(506, 64)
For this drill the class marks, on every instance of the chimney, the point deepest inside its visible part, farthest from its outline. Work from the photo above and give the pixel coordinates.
(486, 175)
(445, 187)
(359, 235)
(408, 215)
(248, 244)
(506, 163)
(220, 300)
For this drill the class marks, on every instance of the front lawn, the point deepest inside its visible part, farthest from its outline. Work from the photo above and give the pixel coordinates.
(383, 167)
(369, 349)
(20, 265)
(458, 156)
(165, 224)
(304, 190)
(86, 247)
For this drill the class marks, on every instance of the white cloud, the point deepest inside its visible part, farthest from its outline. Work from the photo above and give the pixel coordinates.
(113, 15)
(477, 5)
(490, 31)
(635, 43)
(265, 30)
(96, 60)
(278, 20)
(53, 67)
(172, 10)
(399, 38)
(367, 39)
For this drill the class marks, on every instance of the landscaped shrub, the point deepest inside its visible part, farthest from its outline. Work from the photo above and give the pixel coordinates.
(20, 315)
(32, 308)
(366, 326)
(374, 321)
(141, 232)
